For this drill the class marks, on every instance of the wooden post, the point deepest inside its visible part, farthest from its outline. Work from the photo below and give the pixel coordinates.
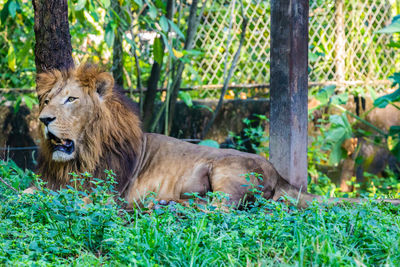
(289, 79)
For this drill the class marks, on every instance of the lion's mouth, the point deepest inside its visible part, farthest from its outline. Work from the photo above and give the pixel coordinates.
(63, 145)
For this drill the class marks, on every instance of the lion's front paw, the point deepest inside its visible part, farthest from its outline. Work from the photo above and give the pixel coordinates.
(161, 203)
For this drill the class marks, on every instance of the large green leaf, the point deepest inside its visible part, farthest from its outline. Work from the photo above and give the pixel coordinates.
(164, 23)
(336, 154)
(341, 121)
(11, 58)
(17, 104)
(383, 101)
(335, 135)
(395, 78)
(109, 36)
(340, 99)
(153, 12)
(393, 27)
(30, 101)
(158, 50)
(12, 8)
(186, 98)
(340, 130)
(210, 143)
(204, 107)
(325, 94)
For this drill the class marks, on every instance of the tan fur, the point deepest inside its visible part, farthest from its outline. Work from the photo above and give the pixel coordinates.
(107, 134)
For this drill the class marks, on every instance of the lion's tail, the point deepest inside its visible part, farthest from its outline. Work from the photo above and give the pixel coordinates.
(304, 199)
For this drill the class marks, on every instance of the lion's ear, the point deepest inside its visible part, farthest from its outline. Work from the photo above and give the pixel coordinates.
(104, 84)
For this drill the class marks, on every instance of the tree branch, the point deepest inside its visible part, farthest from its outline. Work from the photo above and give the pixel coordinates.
(9, 186)
(139, 82)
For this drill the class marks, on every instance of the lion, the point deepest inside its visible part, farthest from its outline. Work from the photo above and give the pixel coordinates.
(90, 126)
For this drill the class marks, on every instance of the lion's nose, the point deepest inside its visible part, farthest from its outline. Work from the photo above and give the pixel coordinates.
(47, 120)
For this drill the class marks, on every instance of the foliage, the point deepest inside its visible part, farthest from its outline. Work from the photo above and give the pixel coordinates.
(55, 227)
(373, 187)
(253, 138)
(336, 128)
(326, 149)
(94, 26)
(16, 44)
(392, 98)
(340, 130)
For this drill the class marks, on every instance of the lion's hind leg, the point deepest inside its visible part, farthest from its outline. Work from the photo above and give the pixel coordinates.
(238, 177)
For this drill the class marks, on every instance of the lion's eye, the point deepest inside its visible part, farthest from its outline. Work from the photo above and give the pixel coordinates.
(70, 99)
(46, 102)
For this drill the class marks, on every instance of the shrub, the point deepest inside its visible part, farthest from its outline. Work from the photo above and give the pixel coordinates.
(56, 227)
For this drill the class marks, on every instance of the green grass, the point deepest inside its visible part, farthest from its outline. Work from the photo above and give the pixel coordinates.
(52, 228)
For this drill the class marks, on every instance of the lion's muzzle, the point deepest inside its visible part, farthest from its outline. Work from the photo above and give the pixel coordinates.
(63, 145)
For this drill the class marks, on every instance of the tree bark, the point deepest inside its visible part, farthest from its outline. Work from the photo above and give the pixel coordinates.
(289, 90)
(53, 48)
(150, 95)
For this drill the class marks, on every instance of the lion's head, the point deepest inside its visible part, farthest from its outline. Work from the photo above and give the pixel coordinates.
(88, 125)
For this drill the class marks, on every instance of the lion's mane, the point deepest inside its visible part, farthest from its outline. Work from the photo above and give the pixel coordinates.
(111, 141)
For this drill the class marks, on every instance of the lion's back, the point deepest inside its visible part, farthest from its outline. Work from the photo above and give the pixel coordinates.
(176, 148)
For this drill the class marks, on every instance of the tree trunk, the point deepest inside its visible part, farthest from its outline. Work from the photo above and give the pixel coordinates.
(150, 95)
(152, 84)
(53, 41)
(118, 53)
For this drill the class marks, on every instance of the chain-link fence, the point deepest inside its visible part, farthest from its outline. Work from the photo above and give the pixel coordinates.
(344, 47)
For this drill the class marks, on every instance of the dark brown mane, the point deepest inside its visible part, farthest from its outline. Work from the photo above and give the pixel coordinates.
(111, 141)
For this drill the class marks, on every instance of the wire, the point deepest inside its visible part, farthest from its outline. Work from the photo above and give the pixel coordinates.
(18, 148)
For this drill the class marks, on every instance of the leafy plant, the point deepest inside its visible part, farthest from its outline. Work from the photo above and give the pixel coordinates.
(253, 138)
(392, 98)
(57, 228)
(340, 130)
